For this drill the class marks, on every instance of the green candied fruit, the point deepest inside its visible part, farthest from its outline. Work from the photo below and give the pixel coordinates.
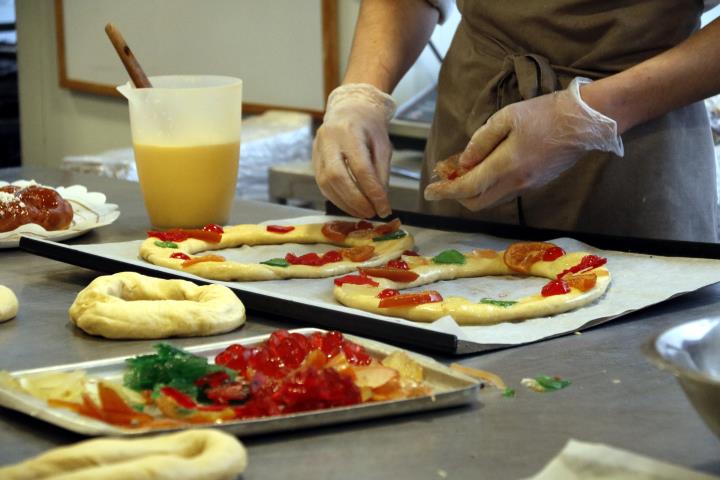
(551, 384)
(449, 256)
(162, 244)
(508, 392)
(169, 366)
(276, 262)
(390, 236)
(498, 303)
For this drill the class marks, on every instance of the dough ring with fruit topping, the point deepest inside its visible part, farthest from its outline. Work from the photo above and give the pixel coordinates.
(8, 304)
(576, 279)
(201, 453)
(363, 245)
(130, 305)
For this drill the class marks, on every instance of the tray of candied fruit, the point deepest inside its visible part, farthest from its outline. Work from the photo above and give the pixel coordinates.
(286, 380)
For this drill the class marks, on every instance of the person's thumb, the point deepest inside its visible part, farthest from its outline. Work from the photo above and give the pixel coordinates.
(486, 138)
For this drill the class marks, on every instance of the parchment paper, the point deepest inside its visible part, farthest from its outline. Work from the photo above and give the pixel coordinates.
(637, 281)
(590, 461)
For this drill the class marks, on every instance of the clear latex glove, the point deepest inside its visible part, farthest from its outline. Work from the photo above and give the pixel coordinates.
(526, 145)
(351, 151)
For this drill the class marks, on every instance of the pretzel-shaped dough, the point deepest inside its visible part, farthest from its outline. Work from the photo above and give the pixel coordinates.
(239, 235)
(201, 453)
(130, 305)
(466, 312)
(8, 304)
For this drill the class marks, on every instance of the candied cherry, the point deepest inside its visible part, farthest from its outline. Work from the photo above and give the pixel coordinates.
(356, 354)
(397, 263)
(213, 227)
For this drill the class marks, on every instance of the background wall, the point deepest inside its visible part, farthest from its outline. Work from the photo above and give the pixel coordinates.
(56, 122)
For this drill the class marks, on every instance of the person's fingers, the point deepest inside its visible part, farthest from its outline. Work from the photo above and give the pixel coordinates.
(486, 139)
(497, 194)
(337, 183)
(365, 175)
(331, 195)
(381, 151)
(495, 168)
(338, 199)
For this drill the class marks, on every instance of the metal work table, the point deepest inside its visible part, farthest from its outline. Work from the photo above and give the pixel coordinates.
(617, 397)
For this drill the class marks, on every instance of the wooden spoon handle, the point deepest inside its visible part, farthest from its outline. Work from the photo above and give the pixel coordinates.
(137, 75)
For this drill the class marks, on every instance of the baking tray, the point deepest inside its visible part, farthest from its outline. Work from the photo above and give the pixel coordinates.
(317, 312)
(450, 389)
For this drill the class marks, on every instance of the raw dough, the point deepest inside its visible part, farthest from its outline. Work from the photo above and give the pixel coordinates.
(238, 235)
(468, 312)
(8, 304)
(202, 453)
(130, 305)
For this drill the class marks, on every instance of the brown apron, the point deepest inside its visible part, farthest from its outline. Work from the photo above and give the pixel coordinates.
(507, 51)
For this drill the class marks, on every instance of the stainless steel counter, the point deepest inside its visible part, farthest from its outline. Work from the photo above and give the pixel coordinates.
(617, 397)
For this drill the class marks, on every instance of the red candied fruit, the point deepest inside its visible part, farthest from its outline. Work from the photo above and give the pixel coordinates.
(331, 257)
(553, 253)
(411, 253)
(180, 256)
(363, 225)
(233, 357)
(284, 352)
(229, 392)
(397, 263)
(555, 287)
(313, 259)
(279, 228)
(355, 280)
(213, 227)
(290, 348)
(169, 236)
(332, 343)
(588, 262)
(214, 379)
(356, 354)
(314, 389)
(388, 292)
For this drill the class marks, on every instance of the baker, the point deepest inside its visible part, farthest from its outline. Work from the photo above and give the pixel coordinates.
(569, 114)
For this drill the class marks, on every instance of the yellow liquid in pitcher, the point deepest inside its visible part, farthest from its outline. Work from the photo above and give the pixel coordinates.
(188, 187)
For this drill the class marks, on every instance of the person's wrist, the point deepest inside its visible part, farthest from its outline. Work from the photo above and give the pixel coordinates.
(363, 93)
(601, 131)
(599, 96)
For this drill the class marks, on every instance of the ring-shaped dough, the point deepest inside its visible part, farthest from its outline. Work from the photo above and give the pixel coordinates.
(130, 305)
(250, 234)
(467, 312)
(201, 453)
(8, 304)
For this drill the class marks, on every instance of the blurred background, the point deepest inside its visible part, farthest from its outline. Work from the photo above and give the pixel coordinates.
(58, 72)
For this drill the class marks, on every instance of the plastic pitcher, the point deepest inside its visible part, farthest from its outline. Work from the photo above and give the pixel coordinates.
(186, 136)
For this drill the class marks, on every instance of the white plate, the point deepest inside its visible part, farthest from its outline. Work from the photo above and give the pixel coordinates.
(90, 211)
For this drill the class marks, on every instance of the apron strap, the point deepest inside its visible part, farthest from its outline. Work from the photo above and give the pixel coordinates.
(533, 74)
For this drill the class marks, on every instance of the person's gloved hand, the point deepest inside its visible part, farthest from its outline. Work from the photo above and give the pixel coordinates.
(351, 151)
(525, 145)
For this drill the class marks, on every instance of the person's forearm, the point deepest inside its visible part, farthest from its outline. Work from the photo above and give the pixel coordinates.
(684, 74)
(389, 37)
